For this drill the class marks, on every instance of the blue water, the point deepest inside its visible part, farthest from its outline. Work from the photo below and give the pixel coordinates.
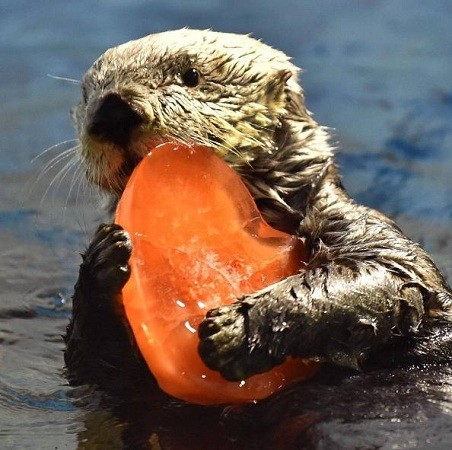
(378, 73)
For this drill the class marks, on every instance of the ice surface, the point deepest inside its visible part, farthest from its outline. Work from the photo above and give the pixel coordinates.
(198, 242)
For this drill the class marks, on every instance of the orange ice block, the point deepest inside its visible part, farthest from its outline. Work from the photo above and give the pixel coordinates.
(199, 242)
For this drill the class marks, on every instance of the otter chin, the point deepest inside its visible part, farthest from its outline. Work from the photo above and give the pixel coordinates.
(368, 294)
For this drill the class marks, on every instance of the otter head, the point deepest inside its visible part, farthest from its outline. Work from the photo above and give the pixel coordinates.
(229, 92)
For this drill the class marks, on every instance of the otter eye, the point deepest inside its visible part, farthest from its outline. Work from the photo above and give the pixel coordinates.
(191, 78)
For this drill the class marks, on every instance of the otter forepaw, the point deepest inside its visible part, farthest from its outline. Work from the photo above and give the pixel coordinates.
(226, 344)
(223, 341)
(107, 257)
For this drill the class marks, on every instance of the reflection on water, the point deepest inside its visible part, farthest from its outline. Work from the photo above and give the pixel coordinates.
(378, 72)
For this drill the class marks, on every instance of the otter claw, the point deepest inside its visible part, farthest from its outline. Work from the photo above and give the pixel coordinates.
(227, 344)
(107, 257)
(223, 342)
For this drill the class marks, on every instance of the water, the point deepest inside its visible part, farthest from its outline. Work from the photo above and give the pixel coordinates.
(376, 72)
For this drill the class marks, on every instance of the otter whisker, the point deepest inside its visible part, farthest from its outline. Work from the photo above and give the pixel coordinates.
(52, 148)
(69, 80)
(52, 166)
(97, 174)
(56, 160)
(84, 186)
(77, 174)
(116, 182)
(85, 189)
(81, 181)
(61, 174)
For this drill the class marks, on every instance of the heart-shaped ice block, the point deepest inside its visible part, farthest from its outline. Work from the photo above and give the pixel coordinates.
(199, 242)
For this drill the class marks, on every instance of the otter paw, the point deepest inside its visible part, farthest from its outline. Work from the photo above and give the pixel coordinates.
(107, 257)
(223, 341)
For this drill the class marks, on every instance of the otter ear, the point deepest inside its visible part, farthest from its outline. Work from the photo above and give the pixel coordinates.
(284, 75)
(278, 81)
(285, 93)
(293, 93)
(278, 78)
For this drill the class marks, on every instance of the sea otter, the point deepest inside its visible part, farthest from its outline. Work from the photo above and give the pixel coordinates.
(369, 295)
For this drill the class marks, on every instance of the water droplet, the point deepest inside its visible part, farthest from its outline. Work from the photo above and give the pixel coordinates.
(189, 327)
(59, 301)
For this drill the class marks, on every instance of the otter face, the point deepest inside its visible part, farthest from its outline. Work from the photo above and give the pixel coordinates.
(225, 91)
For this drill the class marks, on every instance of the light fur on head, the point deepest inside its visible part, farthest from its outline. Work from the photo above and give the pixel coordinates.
(248, 107)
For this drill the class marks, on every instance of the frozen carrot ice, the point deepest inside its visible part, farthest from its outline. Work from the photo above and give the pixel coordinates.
(199, 242)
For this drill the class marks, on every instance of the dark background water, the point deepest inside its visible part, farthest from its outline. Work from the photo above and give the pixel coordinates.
(377, 72)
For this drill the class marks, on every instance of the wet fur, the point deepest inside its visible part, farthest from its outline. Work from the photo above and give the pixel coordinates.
(368, 297)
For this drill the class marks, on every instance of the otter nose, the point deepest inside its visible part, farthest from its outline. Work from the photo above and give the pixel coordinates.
(114, 120)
